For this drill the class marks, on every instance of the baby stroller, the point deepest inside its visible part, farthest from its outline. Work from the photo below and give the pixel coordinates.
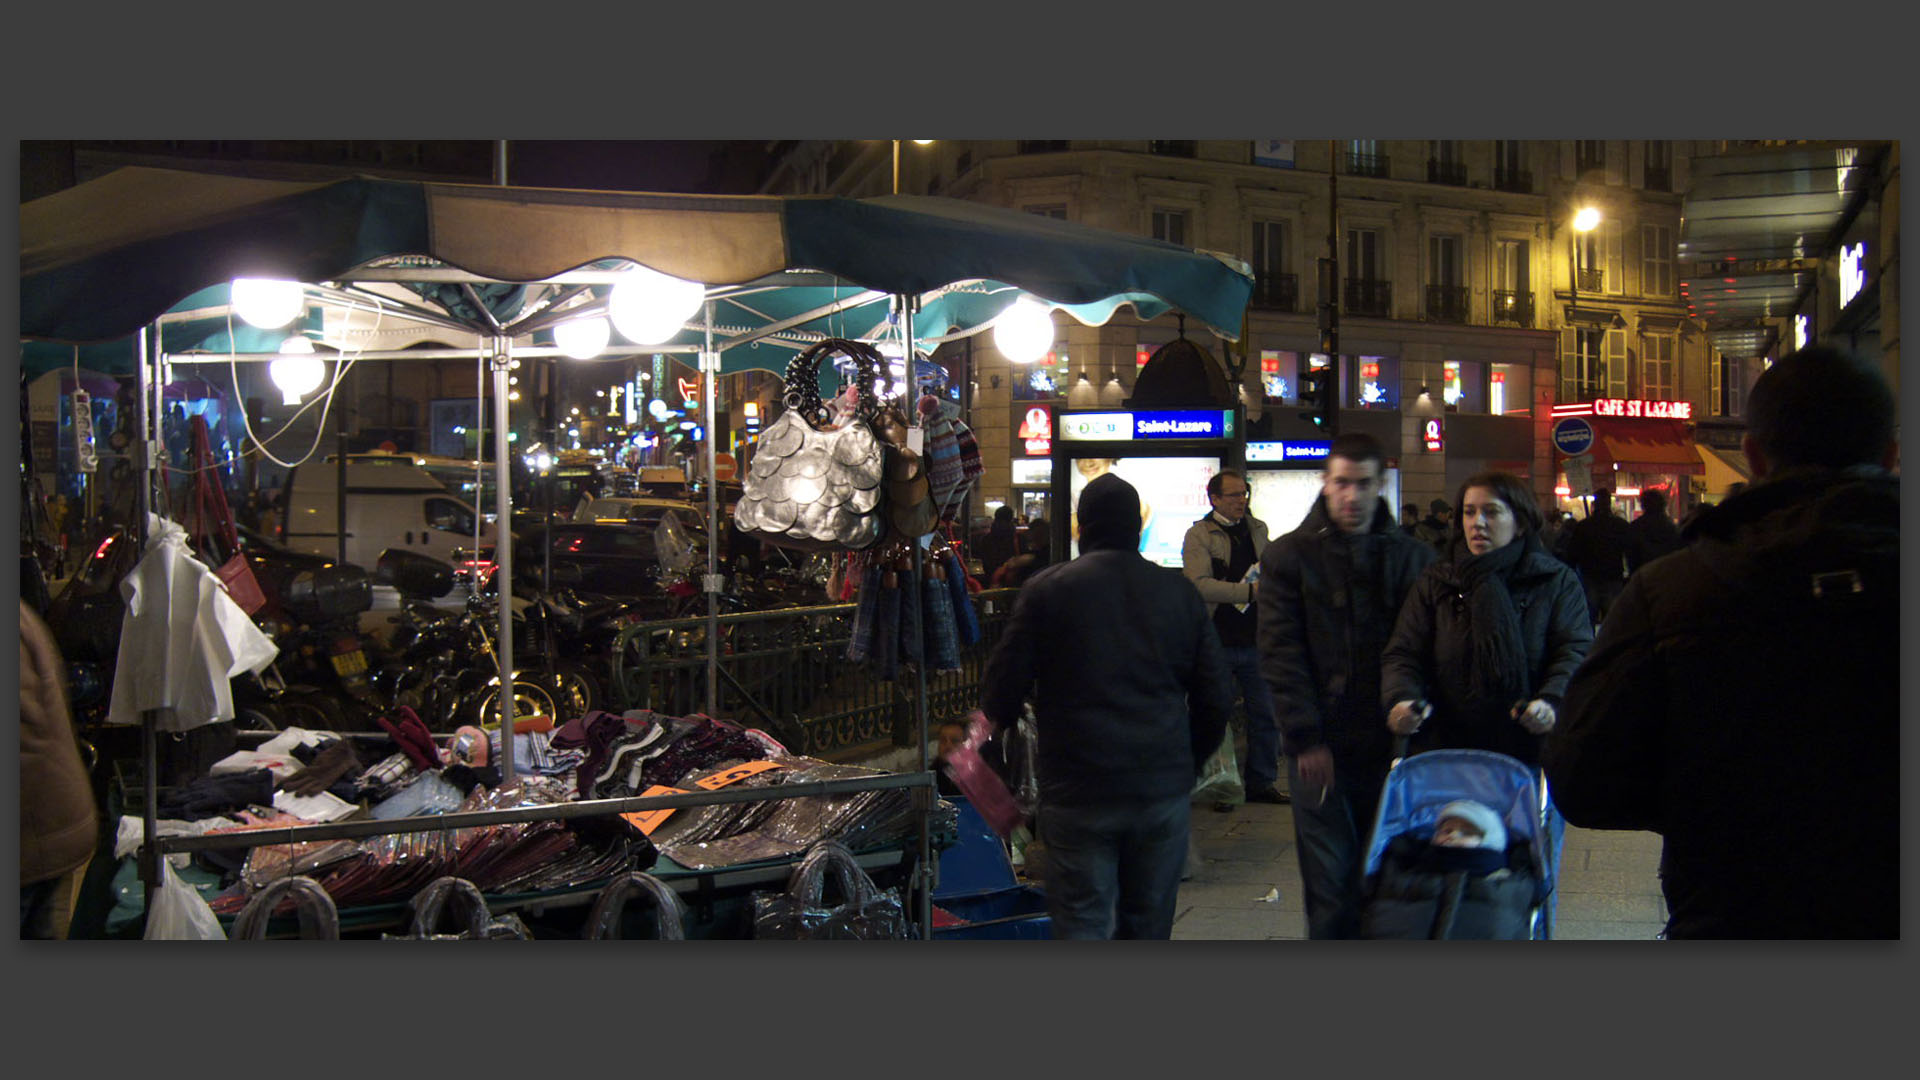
(1408, 897)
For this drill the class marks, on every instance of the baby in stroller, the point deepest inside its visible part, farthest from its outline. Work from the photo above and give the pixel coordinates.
(1455, 880)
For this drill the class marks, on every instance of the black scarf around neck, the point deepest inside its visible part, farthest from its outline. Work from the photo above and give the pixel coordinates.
(1499, 655)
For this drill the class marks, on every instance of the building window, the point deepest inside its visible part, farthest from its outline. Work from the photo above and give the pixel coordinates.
(1510, 166)
(1656, 261)
(1463, 386)
(1657, 174)
(1056, 210)
(1443, 162)
(1171, 226)
(1601, 262)
(1583, 372)
(1508, 389)
(1280, 375)
(1041, 146)
(1173, 147)
(1365, 159)
(1373, 382)
(1512, 293)
(1589, 154)
(1657, 377)
(1274, 284)
(1446, 294)
(1726, 377)
(1365, 292)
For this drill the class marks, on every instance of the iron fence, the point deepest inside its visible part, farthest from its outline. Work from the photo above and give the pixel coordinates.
(786, 671)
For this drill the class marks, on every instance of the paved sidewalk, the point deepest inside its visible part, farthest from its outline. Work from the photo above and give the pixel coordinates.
(1609, 884)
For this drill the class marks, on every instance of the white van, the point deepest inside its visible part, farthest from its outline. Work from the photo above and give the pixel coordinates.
(390, 504)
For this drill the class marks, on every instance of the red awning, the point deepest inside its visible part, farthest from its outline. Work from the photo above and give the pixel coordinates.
(1658, 446)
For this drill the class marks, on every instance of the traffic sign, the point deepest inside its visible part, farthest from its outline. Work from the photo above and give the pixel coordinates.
(724, 467)
(1572, 435)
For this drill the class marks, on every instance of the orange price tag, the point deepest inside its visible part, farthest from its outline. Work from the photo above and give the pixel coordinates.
(737, 773)
(648, 820)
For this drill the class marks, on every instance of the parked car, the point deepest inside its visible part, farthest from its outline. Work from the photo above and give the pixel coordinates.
(640, 511)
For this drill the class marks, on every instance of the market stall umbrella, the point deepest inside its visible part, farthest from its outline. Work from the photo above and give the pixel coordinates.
(100, 260)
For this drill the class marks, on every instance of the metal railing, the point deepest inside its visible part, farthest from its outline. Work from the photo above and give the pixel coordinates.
(786, 671)
(1365, 296)
(1513, 307)
(1592, 280)
(1447, 303)
(1276, 291)
(1446, 172)
(1513, 180)
(1655, 178)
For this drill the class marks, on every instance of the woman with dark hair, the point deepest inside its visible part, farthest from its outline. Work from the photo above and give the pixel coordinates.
(1490, 634)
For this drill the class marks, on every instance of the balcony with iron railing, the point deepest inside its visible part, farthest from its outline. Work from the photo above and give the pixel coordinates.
(1174, 147)
(1446, 172)
(1275, 290)
(1591, 280)
(1513, 307)
(1366, 164)
(1657, 178)
(1518, 180)
(1447, 303)
(1365, 296)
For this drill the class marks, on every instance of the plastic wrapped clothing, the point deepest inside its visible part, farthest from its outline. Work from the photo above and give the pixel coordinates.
(182, 638)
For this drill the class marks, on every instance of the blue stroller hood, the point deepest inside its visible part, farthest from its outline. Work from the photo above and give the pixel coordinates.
(1418, 786)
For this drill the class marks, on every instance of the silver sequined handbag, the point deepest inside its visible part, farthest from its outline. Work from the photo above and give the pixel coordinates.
(811, 486)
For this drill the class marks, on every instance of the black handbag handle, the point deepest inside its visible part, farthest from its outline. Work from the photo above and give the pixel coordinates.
(668, 912)
(803, 379)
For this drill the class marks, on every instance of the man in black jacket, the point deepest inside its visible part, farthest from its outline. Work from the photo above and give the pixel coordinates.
(1329, 593)
(1653, 533)
(1131, 693)
(1597, 548)
(1743, 698)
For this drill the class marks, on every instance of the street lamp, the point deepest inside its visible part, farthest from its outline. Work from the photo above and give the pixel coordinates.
(896, 160)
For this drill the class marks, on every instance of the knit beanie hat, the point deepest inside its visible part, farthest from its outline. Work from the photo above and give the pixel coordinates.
(1493, 833)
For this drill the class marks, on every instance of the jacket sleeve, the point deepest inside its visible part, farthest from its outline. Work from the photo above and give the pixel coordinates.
(1281, 630)
(1602, 758)
(1009, 673)
(1197, 563)
(1211, 690)
(1403, 664)
(1569, 636)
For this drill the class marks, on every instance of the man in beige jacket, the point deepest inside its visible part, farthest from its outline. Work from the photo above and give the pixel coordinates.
(1216, 556)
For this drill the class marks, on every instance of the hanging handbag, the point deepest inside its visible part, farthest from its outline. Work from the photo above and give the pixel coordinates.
(474, 921)
(211, 512)
(669, 914)
(911, 511)
(813, 486)
(319, 918)
(864, 913)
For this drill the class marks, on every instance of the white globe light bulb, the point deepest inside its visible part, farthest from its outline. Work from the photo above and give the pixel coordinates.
(583, 339)
(649, 307)
(297, 371)
(1023, 332)
(267, 303)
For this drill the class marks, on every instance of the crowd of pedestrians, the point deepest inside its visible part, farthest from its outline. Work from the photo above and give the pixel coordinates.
(1740, 697)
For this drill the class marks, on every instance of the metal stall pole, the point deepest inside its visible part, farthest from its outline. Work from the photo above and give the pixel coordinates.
(925, 904)
(149, 748)
(503, 549)
(713, 581)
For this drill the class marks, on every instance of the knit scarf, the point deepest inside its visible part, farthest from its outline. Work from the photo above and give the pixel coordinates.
(1499, 656)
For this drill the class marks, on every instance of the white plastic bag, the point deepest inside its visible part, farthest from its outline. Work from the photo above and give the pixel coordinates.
(180, 913)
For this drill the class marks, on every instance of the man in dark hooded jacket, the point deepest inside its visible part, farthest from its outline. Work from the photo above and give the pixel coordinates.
(1743, 697)
(1329, 593)
(1131, 693)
